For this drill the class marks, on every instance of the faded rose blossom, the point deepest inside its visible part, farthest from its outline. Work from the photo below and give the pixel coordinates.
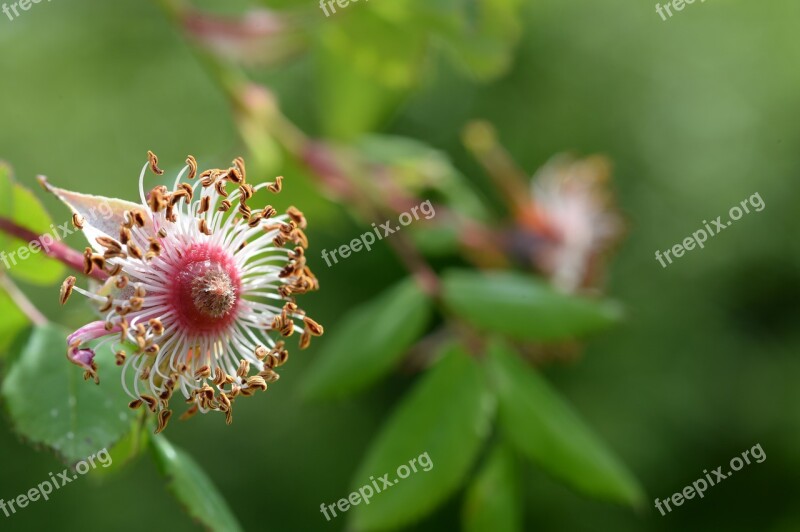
(199, 287)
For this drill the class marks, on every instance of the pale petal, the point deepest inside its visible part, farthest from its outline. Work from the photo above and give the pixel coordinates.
(101, 216)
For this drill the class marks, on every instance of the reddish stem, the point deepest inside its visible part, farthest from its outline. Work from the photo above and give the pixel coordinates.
(55, 250)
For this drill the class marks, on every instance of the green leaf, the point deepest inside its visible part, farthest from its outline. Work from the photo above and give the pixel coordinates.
(12, 323)
(493, 500)
(546, 430)
(369, 342)
(192, 487)
(49, 402)
(524, 308)
(366, 66)
(20, 206)
(128, 448)
(446, 416)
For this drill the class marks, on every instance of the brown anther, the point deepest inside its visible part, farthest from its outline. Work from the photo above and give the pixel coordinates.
(186, 187)
(134, 251)
(261, 352)
(125, 235)
(305, 339)
(244, 369)
(120, 357)
(224, 206)
(162, 233)
(145, 373)
(192, 163)
(163, 420)
(107, 305)
(133, 405)
(136, 303)
(246, 191)
(254, 220)
(205, 203)
(140, 291)
(219, 376)
(88, 266)
(203, 373)
(220, 188)
(277, 185)
(233, 175)
(152, 349)
(268, 211)
(297, 217)
(239, 164)
(154, 163)
(245, 211)
(138, 218)
(155, 246)
(66, 289)
(113, 269)
(313, 327)
(269, 375)
(203, 226)
(77, 220)
(170, 215)
(109, 243)
(121, 282)
(151, 402)
(156, 326)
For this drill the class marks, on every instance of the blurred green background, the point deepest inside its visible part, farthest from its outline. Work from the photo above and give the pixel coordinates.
(697, 113)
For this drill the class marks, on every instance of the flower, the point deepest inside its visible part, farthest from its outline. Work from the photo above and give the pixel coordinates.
(198, 286)
(574, 219)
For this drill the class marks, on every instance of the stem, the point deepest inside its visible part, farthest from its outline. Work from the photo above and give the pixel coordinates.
(22, 301)
(56, 250)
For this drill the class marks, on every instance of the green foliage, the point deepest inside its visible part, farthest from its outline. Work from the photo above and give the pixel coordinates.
(524, 308)
(547, 430)
(12, 323)
(369, 341)
(49, 403)
(192, 487)
(448, 416)
(493, 500)
(20, 206)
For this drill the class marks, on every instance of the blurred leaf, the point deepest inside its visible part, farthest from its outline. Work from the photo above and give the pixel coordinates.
(522, 307)
(546, 429)
(369, 342)
(493, 500)
(365, 66)
(128, 448)
(418, 167)
(21, 207)
(192, 487)
(12, 323)
(448, 416)
(50, 403)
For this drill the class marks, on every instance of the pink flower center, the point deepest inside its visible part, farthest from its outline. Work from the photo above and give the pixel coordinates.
(205, 291)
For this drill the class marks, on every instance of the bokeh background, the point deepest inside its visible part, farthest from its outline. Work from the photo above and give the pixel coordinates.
(697, 113)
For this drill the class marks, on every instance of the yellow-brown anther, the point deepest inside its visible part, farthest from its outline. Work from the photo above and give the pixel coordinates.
(239, 164)
(77, 221)
(297, 217)
(186, 187)
(107, 305)
(120, 357)
(125, 235)
(113, 269)
(136, 403)
(136, 303)
(261, 352)
(108, 243)
(150, 401)
(224, 206)
(88, 265)
(138, 218)
(134, 251)
(151, 157)
(205, 203)
(66, 289)
(140, 291)
(268, 212)
(163, 420)
(269, 375)
(220, 188)
(162, 233)
(244, 368)
(277, 185)
(121, 282)
(191, 162)
(203, 226)
(203, 373)
(313, 327)
(156, 326)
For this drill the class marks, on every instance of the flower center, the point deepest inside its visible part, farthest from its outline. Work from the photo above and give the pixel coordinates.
(205, 293)
(212, 293)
